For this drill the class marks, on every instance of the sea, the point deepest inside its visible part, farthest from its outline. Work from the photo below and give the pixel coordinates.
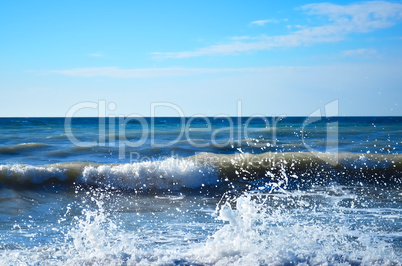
(201, 191)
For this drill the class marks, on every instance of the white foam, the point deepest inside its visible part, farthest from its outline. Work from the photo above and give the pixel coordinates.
(167, 174)
(255, 235)
(172, 173)
(31, 174)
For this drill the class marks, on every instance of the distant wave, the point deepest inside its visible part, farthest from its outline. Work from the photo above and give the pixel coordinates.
(209, 169)
(13, 149)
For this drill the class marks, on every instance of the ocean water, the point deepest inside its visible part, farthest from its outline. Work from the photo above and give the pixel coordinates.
(201, 191)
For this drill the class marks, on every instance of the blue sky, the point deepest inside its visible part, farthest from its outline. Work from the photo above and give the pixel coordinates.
(276, 57)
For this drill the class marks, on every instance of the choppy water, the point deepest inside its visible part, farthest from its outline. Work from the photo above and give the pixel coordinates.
(201, 191)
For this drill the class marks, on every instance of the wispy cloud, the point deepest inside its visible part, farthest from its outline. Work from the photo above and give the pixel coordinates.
(359, 52)
(294, 26)
(263, 22)
(240, 38)
(95, 55)
(361, 17)
(342, 20)
(116, 72)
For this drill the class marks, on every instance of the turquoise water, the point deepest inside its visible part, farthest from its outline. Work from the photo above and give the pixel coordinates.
(201, 191)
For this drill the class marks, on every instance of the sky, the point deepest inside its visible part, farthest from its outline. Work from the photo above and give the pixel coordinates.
(171, 58)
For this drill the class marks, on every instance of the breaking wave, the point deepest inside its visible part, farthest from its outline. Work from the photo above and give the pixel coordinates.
(208, 169)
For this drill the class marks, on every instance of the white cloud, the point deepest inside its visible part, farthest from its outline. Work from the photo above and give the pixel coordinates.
(361, 17)
(115, 72)
(343, 20)
(301, 37)
(359, 52)
(240, 38)
(95, 55)
(263, 22)
(321, 82)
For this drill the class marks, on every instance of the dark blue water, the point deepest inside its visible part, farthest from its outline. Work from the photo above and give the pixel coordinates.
(39, 141)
